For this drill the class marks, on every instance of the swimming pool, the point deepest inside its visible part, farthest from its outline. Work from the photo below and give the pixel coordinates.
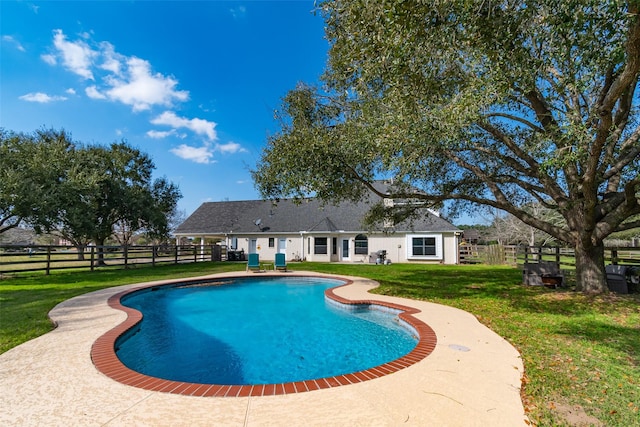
(238, 373)
(258, 331)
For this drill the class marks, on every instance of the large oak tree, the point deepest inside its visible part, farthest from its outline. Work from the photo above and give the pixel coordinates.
(31, 165)
(54, 184)
(482, 103)
(109, 185)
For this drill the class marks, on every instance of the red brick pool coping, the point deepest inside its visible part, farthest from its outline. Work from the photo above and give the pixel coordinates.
(106, 361)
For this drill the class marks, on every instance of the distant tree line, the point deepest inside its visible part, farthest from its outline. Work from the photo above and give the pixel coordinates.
(82, 193)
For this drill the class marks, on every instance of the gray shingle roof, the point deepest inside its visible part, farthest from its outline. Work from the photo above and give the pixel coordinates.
(240, 217)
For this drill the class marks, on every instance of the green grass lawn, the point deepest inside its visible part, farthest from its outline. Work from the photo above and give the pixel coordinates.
(581, 354)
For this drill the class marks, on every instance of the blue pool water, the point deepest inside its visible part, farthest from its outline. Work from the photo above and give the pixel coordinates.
(257, 331)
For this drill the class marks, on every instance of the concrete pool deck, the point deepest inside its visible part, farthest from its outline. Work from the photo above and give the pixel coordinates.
(472, 378)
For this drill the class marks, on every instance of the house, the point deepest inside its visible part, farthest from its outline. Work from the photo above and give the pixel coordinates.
(313, 232)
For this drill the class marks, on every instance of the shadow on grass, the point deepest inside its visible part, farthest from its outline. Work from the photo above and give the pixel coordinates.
(499, 284)
(624, 339)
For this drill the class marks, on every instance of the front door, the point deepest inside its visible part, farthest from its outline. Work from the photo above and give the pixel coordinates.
(345, 249)
(282, 246)
(253, 246)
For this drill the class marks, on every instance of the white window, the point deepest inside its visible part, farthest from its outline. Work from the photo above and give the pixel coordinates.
(424, 246)
(320, 245)
(361, 245)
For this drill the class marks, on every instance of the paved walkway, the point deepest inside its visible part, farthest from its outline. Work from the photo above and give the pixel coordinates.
(472, 378)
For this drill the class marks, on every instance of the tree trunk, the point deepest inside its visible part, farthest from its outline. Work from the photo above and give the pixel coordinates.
(80, 250)
(100, 259)
(590, 272)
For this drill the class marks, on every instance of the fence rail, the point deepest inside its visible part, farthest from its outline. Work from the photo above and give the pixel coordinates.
(517, 255)
(33, 258)
(566, 257)
(488, 254)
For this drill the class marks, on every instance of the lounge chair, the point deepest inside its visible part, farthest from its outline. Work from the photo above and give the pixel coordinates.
(254, 262)
(280, 263)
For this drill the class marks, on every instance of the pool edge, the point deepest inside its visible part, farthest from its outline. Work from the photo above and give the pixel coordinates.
(107, 362)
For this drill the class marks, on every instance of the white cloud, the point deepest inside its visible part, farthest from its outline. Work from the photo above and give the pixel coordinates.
(49, 59)
(197, 154)
(42, 98)
(230, 148)
(112, 59)
(156, 134)
(77, 56)
(199, 126)
(16, 43)
(71, 91)
(93, 93)
(144, 88)
(128, 80)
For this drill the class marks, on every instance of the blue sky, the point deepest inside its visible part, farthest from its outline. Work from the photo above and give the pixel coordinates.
(192, 84)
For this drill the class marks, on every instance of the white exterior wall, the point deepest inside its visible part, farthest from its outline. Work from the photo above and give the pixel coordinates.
(292, 245)
(451, 252)
(309, 244)
(398, 246)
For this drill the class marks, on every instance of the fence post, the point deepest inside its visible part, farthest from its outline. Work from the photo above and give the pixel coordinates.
(614, 256)
(93, 255)
(526, 254)
(48, 259)
(195, 254)
(153, 255)
(558, 256)
(125, 251)
(176, 255)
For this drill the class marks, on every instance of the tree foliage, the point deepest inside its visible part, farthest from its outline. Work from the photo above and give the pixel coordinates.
(30, 167)
(492, 103)
(82, 192)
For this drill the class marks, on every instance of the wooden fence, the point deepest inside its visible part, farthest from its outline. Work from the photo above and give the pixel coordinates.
(566, 257)
(488, 254)
(518, 255)
(17, 259)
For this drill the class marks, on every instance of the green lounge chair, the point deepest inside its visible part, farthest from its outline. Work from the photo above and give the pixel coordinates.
(254, 262)
(280, 263)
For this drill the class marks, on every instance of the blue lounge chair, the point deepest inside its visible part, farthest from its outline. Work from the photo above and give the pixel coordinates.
(280, 263)
(254, 262)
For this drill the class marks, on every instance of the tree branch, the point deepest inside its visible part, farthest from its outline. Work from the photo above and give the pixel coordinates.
(631, 150)
(554, 190)
(543, 113)
(522, 120)
(629, 73)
